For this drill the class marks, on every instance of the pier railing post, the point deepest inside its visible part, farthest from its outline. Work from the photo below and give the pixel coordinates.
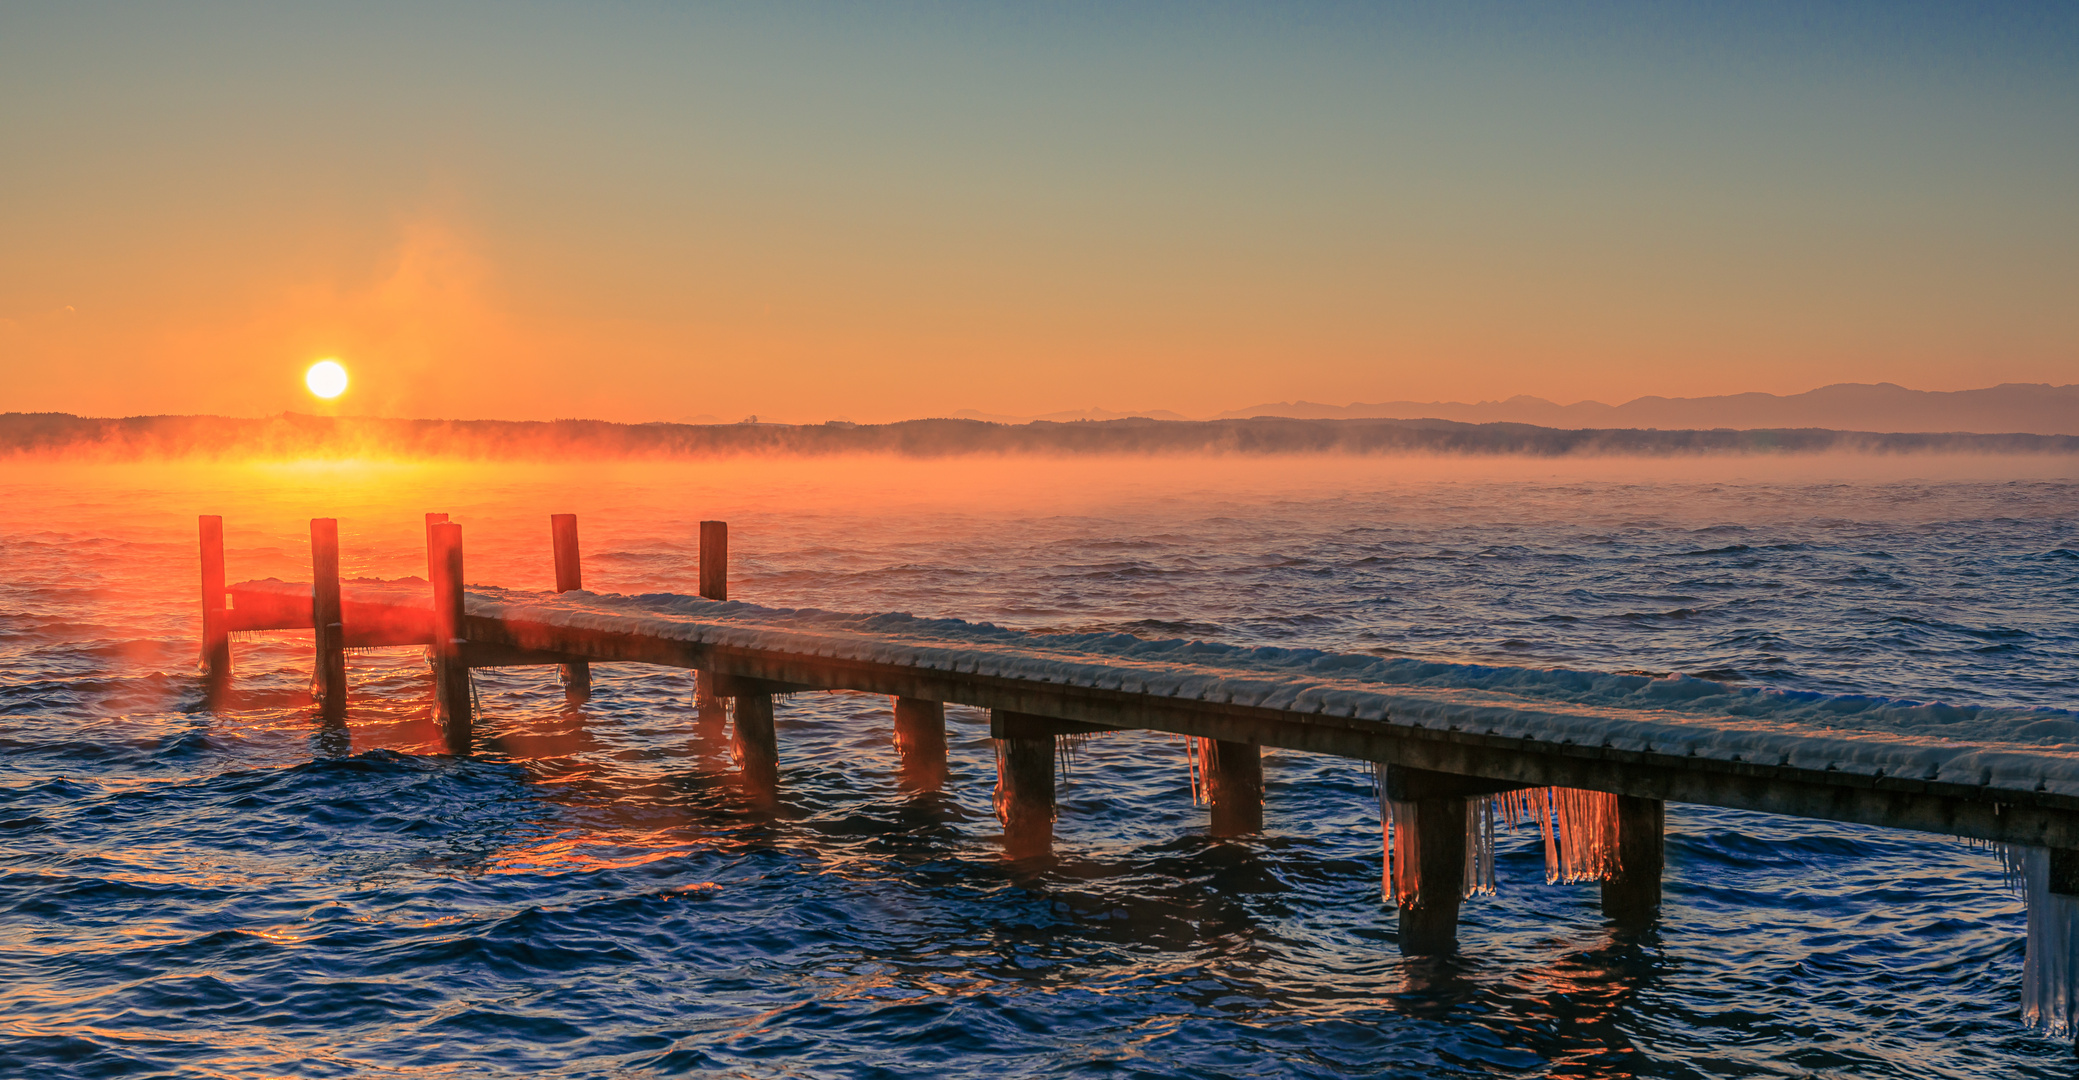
(328, 630)
(451, 698)
(1024, 783)
(216, 635)
(1631, 895)
(714, 585)
(920, 740)
(1234, 785)
(563, 538)
(714, 560)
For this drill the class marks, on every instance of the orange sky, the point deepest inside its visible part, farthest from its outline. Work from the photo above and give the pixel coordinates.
(838, 212)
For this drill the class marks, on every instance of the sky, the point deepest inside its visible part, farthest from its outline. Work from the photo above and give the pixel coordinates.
(644, 211)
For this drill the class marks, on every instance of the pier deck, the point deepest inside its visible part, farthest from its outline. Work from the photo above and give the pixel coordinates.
(1441, 734)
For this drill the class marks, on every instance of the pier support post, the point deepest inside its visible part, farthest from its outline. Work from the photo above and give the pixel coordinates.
(1631, 896)
(563, 538)
(1234, 785)
(714, 585)
(1429, 919)
(216, 635)
(328, 630)
(920, 740)
(757, 745)
(451, 698)
(1024, 782)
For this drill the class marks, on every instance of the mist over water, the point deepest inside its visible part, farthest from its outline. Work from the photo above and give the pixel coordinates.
(589, 894)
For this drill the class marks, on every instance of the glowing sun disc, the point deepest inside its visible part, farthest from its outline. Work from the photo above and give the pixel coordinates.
(326, 379)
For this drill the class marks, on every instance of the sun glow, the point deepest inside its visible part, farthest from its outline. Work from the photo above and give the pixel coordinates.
(326, 379)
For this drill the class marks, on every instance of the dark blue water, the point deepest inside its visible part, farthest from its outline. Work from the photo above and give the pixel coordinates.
(247, 893)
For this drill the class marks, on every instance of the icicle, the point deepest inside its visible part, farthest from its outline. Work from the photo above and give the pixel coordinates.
(1403, 878)
(1479, 846)
(2048, 998)
(1579, 828)
(1000, 799)
(1199, 757)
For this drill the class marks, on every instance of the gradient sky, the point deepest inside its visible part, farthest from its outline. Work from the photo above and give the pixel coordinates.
(645, 211)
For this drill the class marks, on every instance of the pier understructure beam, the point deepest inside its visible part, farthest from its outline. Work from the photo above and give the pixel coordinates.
(920, 742)
(1234, 786)
(1631, 895)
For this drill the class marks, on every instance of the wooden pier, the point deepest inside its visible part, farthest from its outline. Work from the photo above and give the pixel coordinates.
(1435, 750)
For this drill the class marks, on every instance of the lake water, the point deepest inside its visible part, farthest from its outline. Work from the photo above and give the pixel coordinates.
(247, 893)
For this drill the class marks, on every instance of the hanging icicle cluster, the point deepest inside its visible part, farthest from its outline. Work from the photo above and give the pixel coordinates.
(1580, 829)
(2049, 998)
(1403, 870)
(1067, 746)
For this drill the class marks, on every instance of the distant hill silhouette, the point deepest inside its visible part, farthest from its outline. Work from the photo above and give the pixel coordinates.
(2033, 408)
(291, 435)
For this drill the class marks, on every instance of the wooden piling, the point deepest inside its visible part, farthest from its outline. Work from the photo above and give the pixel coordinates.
(216, 635)
(757, 745)
(1024, 783)
(1631, 895)
(714, 585)
(920, 741)
(328, 631)
(714, 560)
(563, 540)
(1234, 786)
(1429, 919)
(451, 696)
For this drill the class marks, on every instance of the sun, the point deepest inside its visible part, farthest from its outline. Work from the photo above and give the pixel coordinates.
(326, 378)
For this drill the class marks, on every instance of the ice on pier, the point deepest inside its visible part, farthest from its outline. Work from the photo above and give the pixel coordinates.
(1579, 829)
(2029, 749)
(2049, 998)
(2024, 749)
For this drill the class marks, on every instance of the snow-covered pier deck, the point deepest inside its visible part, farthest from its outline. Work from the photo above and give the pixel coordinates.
(1444, 735)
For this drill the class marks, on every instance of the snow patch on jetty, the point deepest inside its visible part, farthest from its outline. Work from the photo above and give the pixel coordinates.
(2030, 749)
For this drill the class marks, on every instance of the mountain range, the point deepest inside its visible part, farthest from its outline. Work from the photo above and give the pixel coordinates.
(2022, 408)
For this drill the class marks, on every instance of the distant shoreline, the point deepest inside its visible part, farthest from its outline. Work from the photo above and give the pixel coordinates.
(294, 435)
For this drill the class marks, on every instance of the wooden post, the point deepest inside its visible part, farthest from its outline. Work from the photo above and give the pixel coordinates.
(714, 585)
(1631, 896)
(431, 521)
(757, 745)
(1024, 783)
(1429, 920)
(920, 740)
(451, 699)
(714, 560)
(328, 629)
(563, 539)
(1234, 785)
(216, 636)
